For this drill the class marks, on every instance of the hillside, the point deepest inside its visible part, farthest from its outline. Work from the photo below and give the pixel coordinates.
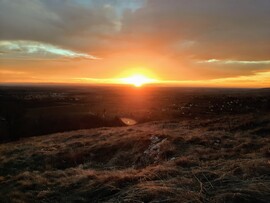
(212, 160)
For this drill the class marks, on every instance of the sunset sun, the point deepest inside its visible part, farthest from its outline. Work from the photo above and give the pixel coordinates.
(137, 80)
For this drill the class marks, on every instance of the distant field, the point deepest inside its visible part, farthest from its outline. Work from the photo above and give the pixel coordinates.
(30, 111)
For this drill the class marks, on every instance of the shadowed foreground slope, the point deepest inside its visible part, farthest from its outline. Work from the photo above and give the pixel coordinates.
(215, 160)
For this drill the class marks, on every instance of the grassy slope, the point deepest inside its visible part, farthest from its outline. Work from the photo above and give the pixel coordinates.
(217, 160)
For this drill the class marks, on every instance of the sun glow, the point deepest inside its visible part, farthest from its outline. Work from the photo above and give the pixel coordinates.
(137, 80)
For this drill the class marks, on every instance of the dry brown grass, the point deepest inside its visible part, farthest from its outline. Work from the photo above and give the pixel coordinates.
(154, 162)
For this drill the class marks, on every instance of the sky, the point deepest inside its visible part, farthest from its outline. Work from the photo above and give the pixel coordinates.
(223, 43)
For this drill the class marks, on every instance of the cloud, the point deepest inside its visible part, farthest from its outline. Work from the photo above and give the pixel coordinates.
(217, 28)
(221, 29)
(260, 79)
(10, 72)
(79, 24)
(179, 33)
(236, 62)
(36, 50)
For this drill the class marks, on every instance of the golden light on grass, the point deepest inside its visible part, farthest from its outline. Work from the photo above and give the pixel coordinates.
(137, 80)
